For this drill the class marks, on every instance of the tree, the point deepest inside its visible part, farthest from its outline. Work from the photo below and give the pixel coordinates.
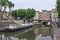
(58, 7)
(10, 5)
(14, 14)
(4, 4)
(22, 13)
(1, 4)
(30, 13)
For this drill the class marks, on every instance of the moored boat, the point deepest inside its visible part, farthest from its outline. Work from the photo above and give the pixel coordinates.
(12, 27)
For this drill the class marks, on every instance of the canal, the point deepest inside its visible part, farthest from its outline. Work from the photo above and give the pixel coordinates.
(36, 32)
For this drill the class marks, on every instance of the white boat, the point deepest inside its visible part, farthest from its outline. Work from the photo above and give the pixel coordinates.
(14, 26)
(29, 24)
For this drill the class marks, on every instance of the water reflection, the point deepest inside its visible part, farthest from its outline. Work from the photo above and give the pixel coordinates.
(40, 37)
(32, 33)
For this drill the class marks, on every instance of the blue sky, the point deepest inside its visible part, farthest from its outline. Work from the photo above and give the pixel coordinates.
(36, 4)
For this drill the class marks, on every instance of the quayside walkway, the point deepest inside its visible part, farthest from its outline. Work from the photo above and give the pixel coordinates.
(57, 33)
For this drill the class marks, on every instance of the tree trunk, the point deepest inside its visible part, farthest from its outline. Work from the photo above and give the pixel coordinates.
(1, 15)
(9, 10)
(5, 9)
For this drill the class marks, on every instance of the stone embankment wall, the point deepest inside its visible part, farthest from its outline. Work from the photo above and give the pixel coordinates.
(54, 27)
(18, 21)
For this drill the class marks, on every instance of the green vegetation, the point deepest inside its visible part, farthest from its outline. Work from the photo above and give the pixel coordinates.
(10, 5)
(30, 13)
(14, 13)
(23, 13)
(5, 3)
(58, 7)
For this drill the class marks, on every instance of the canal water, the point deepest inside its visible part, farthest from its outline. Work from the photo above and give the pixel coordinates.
(36, 32)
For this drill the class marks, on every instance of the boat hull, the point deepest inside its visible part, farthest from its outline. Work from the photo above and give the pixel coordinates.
(15, 29)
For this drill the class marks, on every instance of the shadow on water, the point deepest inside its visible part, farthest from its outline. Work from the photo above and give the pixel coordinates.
(37, 32)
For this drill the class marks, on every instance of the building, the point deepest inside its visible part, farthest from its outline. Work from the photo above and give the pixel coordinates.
(51, 15)
(36, 18)
(44, 15)
(37, 15)
(54, 15)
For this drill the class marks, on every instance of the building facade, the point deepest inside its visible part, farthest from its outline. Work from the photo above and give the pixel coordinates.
(54, 15)
(37, 15)
(51, 15)
(44, 15)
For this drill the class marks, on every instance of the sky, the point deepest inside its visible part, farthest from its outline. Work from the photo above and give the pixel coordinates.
(36, 4)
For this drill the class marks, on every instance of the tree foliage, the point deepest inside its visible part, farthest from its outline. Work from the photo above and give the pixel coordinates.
(58, 7)
(10, 5)
(24, 13)
(14, 14)
(6, 3)
(30, 13)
